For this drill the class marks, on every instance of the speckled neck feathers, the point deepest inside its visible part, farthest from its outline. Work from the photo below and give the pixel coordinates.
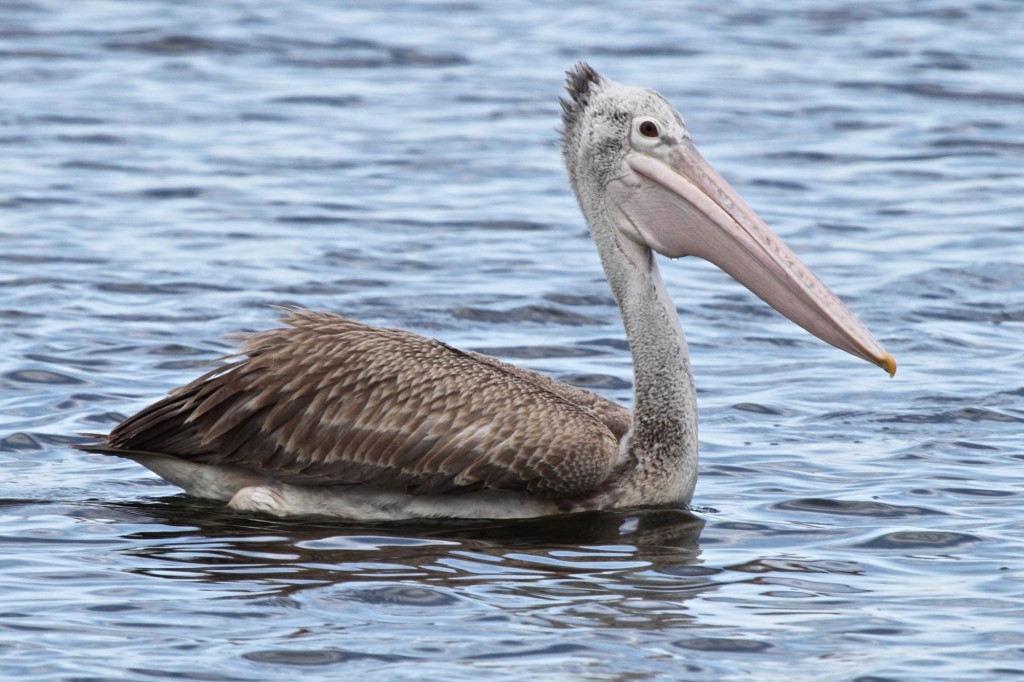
(663, 440)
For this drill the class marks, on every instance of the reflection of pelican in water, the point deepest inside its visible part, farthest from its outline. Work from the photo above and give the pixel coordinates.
(192, 541)
(330, 416)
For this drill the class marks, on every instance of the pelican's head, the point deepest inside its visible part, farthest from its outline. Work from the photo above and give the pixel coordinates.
(637, 174)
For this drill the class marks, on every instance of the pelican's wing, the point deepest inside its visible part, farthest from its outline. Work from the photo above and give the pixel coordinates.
(616, 417)
(328, 401)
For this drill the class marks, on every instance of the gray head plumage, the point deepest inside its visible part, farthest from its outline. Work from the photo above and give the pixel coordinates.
(584, 86)
(596, 119)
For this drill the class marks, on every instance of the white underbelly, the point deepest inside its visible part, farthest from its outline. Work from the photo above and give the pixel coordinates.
(247, 490)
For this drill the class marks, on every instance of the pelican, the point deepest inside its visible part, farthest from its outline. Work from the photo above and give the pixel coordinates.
(328, 416)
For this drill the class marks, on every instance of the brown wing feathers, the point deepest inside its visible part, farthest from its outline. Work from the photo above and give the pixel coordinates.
(327, 401)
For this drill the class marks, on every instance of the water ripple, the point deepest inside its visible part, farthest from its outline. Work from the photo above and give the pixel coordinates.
(856, 508)
(920, 540)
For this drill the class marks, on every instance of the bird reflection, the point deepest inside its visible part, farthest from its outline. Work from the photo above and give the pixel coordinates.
(203, 541)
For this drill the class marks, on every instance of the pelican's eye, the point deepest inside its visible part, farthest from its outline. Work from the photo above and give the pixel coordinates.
(649, 128)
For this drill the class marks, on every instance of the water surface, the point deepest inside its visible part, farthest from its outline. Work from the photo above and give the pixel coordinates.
(170, 170)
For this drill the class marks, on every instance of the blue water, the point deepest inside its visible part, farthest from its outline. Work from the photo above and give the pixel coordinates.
(168, 170)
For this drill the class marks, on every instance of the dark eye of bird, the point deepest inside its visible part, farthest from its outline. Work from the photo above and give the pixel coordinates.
(649, 129)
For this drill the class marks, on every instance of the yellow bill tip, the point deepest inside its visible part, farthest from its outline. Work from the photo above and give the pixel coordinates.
(888, 363)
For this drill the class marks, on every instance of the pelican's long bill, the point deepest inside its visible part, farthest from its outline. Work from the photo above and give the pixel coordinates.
(673, 200)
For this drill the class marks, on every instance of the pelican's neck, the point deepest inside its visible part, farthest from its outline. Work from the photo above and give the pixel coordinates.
(663, 439)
